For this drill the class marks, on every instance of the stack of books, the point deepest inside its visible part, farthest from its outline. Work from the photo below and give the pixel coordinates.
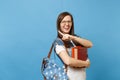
(79, 53)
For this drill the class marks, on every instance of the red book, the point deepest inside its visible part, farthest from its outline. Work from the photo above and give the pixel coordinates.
(80, 53)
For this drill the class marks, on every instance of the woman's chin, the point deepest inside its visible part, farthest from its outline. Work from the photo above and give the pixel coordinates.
(66, 32)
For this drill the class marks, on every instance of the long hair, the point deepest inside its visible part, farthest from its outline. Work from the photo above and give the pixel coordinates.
(60, 18)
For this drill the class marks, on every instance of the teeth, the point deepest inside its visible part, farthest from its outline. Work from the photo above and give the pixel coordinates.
(66, 28)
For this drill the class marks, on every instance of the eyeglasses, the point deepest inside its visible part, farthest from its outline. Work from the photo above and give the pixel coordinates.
(63, 22)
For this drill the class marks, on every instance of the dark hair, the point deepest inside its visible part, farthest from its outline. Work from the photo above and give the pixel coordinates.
(60, 18)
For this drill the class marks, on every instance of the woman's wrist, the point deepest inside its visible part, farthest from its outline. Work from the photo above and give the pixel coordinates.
(72, 37)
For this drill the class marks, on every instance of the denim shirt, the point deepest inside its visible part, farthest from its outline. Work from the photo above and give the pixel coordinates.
(58, 41)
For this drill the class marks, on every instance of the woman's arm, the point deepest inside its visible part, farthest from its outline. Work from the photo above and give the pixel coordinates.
(84, 42)
(73, 62)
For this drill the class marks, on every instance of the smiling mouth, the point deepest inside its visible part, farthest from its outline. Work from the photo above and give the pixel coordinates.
(66, 27)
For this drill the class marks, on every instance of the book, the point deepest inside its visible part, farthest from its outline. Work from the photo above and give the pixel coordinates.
(79, 53)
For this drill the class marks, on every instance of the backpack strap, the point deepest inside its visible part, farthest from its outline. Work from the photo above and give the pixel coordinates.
(49, 54)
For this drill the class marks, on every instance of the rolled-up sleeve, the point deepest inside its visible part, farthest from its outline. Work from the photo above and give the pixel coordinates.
(59, 46)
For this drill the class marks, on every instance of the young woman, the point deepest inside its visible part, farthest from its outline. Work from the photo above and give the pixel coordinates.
(65, 30)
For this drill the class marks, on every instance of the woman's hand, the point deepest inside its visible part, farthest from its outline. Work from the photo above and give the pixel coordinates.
(87, 63)
(65, 37)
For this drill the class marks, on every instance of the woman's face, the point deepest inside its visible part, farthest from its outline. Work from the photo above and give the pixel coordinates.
(66, 24)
